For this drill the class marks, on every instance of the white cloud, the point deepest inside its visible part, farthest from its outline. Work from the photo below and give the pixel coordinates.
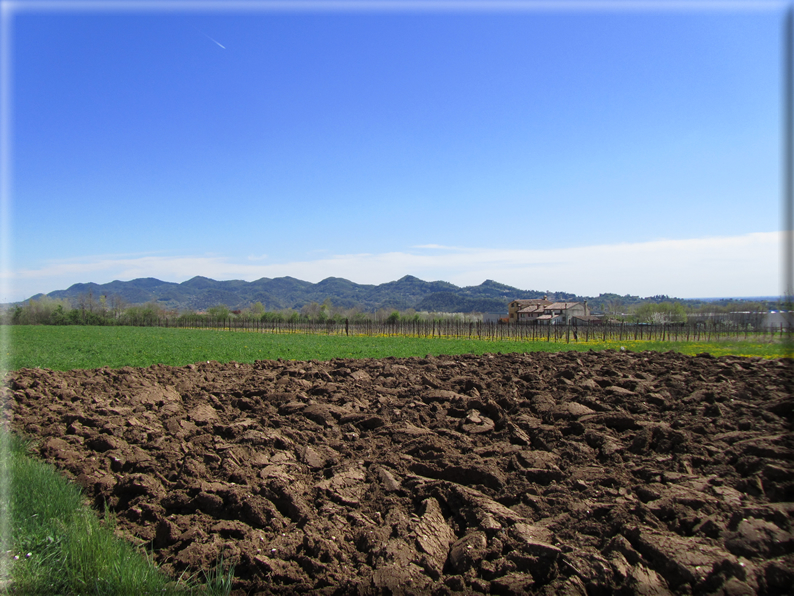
(747, 265)
(436, 246)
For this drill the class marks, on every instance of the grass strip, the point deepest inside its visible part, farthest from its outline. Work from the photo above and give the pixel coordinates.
(71, 347)
(60, 546)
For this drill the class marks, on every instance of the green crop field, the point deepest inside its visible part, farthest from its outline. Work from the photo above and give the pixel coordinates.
(70, 347)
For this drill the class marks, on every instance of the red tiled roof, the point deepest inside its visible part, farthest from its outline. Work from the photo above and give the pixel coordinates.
(534, 308)
(527, 302)
(562, 305)
(550, 306)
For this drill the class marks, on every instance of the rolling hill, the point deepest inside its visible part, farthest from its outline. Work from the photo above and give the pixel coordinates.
(200, 293)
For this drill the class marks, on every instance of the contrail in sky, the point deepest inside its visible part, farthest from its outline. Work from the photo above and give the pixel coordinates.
(208, 37)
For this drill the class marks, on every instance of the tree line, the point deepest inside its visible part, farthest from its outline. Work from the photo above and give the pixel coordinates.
(89, 309)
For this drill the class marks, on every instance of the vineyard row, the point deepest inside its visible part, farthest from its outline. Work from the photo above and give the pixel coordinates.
(477, 330)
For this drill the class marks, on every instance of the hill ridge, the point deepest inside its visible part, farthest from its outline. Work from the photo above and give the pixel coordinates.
(200, 293)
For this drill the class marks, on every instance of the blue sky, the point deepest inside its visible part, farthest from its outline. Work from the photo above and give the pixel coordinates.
(583, 149)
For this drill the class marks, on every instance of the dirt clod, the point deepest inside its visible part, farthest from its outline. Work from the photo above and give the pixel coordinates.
(586, 473)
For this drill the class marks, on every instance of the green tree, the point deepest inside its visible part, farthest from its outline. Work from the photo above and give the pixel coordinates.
(276, 317)
(58, 316)
(142, 314)
(87, 303)
(662, 312)
(117, 305)
(359, 317)
(17, 315)
(310, 311)
(40, 311)
(219, 311)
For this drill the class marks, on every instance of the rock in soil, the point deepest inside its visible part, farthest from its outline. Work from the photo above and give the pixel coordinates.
(571, 473)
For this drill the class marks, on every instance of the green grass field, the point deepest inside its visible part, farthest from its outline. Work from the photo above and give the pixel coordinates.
(70, 347)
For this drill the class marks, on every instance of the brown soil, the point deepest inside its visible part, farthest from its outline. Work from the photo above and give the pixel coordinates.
(571, 473)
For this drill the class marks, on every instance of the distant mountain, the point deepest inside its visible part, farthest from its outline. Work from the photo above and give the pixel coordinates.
(200, 293)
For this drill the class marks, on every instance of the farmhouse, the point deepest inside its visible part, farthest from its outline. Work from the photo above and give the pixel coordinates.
(517, 305)
(544, 311)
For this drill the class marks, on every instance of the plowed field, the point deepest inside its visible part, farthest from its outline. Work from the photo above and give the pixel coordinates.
(569, 473)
